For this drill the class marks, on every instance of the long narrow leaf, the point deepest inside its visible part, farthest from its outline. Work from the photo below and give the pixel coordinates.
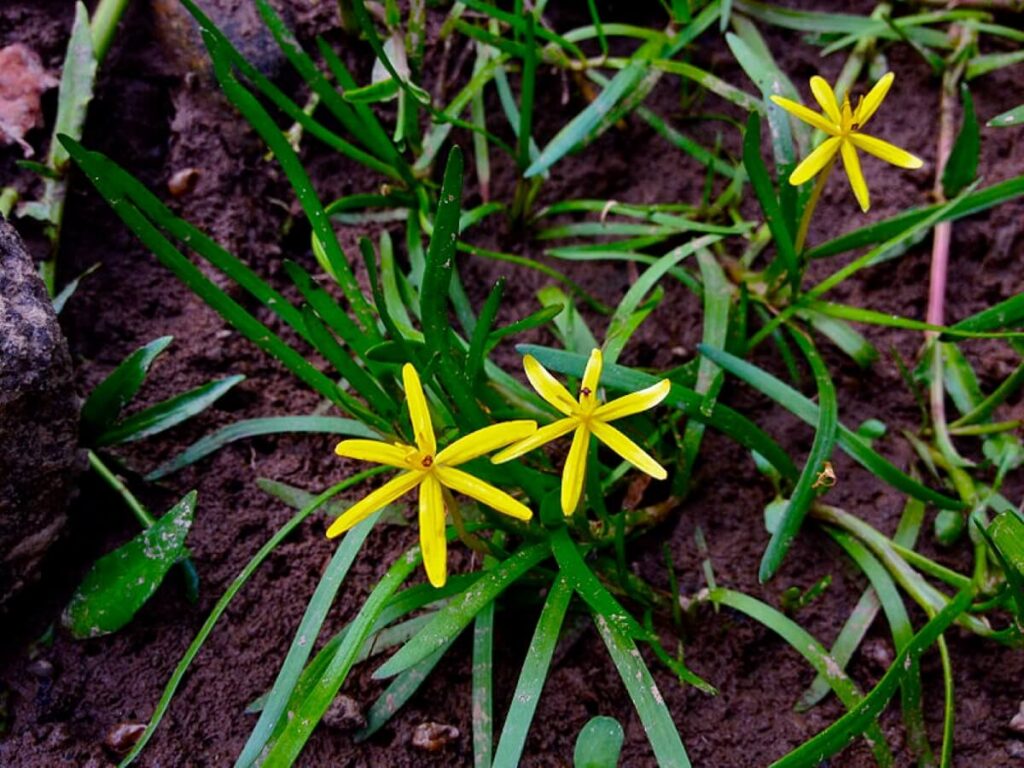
(305, 636)
(807, 411)
(533, 674)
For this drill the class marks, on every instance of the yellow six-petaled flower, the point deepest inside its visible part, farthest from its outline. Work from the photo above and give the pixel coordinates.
(844, 128)
(431, 470)
(587, 417)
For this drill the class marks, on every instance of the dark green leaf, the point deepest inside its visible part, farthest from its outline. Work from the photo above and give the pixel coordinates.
(454, 617)
(962, 166)
(821, 451)
(765, 192)
(859, 718)
(271, 425)
(168, 413)
(974, 202)
(123, 580)
(807, 410)
(105, 402)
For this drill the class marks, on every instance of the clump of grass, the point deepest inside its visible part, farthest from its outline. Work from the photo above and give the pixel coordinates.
(407, 364)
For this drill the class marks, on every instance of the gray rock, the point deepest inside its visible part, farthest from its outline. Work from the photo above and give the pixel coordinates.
(39, 456)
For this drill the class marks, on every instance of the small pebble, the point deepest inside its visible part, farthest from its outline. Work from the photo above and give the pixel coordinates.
(1017, 723)
(344, 714)
(122, 737)
(433, 737)
(183, 181)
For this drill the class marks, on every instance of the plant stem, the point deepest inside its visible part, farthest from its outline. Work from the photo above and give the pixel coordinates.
(108, 475)
(812, 203)
(104, 25)
(940, 246)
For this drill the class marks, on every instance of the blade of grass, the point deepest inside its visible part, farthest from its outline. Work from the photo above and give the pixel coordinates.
(95, 167)
(289, 745)
(848, 441)
(483, 687)
(765, 192)
(974, 202)
(807, 646)
(225, 600)
(454, 617)
(305, 637)
(271, 425)
(169, 413)
(533, 674)
(619, 330)
(643, 692)
(849, 726)
(864, 613)
(821, 451)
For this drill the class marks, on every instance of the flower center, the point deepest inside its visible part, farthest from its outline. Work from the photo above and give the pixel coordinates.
(585, 391)
(427, 461)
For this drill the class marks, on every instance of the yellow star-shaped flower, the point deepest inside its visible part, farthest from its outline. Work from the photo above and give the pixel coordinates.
(429, 469)
(844, 126)
(587, 417)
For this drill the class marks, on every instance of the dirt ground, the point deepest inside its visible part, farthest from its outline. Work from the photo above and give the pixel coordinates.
(156, 113)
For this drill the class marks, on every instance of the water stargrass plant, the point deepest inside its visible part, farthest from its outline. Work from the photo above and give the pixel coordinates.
(404, 361)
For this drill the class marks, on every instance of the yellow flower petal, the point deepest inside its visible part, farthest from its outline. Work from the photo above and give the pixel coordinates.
(375, 451)
(635, 402)
(857, 183)
(870, 103)
(548, 386)
(886, 151)
(825, 97)
(418, 413)
(485, 493)
(433, 544)
(362, 509)
(591, 378)
(628, 450)
(543, 435)
(575, 472)
(485, 440)
(815, 161)
(807, 115)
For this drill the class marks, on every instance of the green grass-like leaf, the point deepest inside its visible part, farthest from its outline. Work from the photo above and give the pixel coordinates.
(533, 674)
(821, 450)
(305, 636)
(168, 413)
(962, 166)
(807, 646)
(848, 441)
(104, 404)
(454, 617)
(858, 719)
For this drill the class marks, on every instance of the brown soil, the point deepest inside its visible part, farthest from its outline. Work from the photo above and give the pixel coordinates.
(64, 697)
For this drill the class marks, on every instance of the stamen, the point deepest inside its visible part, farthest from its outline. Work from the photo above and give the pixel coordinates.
(427, 461)
(585, 391)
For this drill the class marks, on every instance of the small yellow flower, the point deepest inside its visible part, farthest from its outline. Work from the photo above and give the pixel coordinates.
(429, 469)
(587, 417)
(844, 125)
